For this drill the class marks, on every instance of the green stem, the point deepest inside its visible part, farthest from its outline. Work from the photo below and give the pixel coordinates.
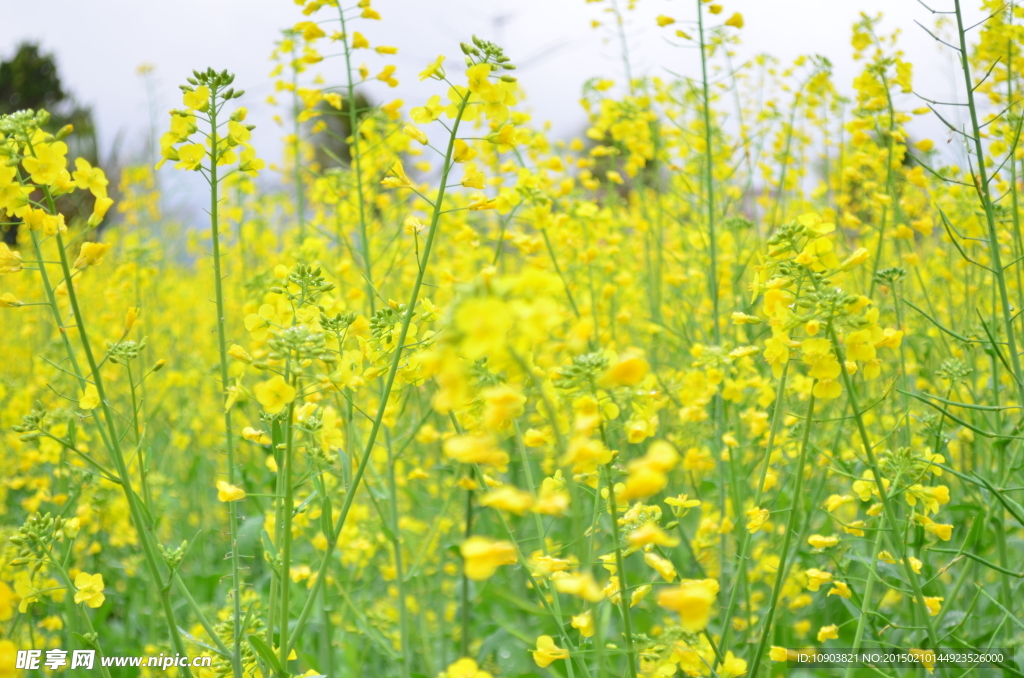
(627, 624)
(862, 620)
(388, 385)
(353, 124)
(791, 526)
(72, 589)
(236, 582)
(287, 502)
(300, 194)
(464, 607)
(403, 612)
(887, 507)
(143, 528)
(777, 417)
(709, 176)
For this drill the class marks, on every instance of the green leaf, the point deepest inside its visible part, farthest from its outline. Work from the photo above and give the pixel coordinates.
(265, 653)
(84, 641)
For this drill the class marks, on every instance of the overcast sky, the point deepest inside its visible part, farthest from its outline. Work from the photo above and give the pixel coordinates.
(100, 44)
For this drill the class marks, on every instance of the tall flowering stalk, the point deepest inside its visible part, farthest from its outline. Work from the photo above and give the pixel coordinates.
(222, 142)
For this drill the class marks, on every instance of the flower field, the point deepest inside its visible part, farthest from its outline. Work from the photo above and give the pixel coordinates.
(734, 376)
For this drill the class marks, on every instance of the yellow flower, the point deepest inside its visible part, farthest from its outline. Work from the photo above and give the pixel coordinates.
(473, 177)
(10, 260)
(387, 76)
(465, 668)
(25, 590)
(191, 156)
(548, 652)
(756, 518)
(664, 20)
(48, 223)
(476, 449)
(692, 601)
(681, 504)
(47, 162)
(481, 557)
(778, 654)
(732, 667)
(99, 210)
(820, 542)
(90, 589)
(358, 41)
(506, 136)
(90, 178)
(399, 179)
(650, 533)
(840, 589)
(508, 498)
(429, 112)
(8, 659)
(925, 657)
(662, 566)
(830, 632)
(239, 353)
(940, 530)
(433, 70)
(815, 578)
(274, 394)
(89, 399)
(197, 99)
(934, 604)
(627, 372)
(227, 492)
(416, 134)
(736, 20)
(579, 584)
(502, 404)
(249, 163)
(584, 623)
(90, 254)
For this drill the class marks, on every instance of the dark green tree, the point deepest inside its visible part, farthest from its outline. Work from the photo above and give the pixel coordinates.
(30, 80)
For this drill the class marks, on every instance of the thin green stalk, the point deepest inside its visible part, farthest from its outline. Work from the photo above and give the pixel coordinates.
(104, 433)
(888, 510)
(300, 193)
(627, 624)
(143, 528)
(287, 502)
(72, 589)
(538, 524)
(709, 176)
(464, 607)
(985, 195)
(229, 445)
(550, 606)
(403, 612)
(777, 416)
(357, 476)
(869, 587)
(791, 526)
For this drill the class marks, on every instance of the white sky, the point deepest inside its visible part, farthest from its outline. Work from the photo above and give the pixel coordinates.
(99, 44)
